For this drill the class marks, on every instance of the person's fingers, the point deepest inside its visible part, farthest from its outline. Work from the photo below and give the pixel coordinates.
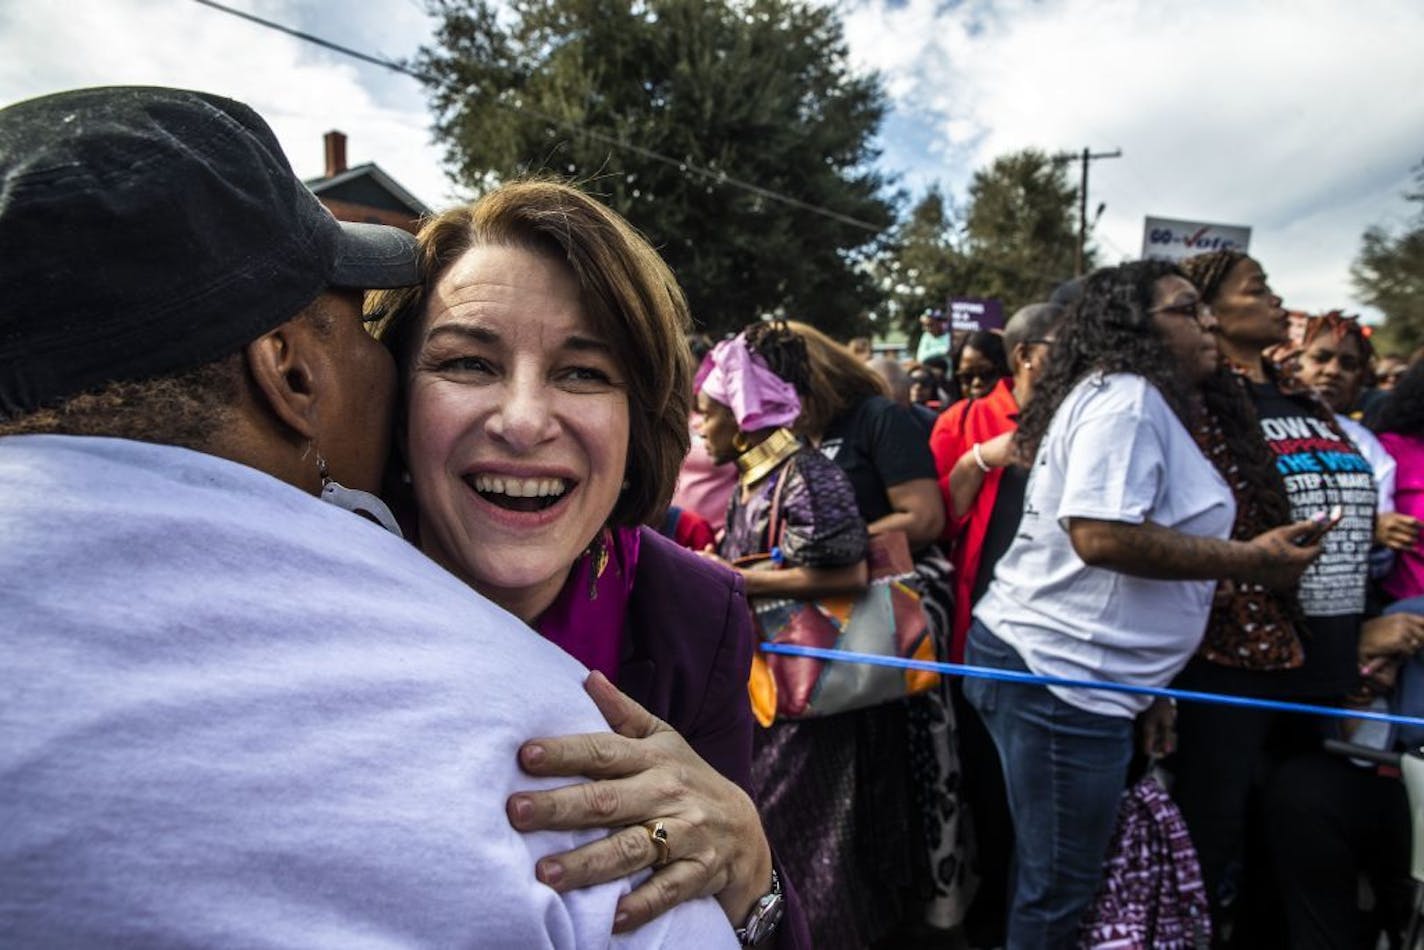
(1305, 533)
(663, 891)
(623, 852)
(1412, 631)
(593, 755)
(604, 804)
(621, 711)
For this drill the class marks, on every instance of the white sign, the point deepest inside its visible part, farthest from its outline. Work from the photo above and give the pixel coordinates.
(1172, 240)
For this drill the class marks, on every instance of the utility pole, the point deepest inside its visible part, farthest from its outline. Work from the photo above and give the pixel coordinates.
(1085, 157)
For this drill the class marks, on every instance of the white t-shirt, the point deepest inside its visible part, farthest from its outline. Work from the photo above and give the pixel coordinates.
(1115, 451)
(234, 716)
(1384, 465)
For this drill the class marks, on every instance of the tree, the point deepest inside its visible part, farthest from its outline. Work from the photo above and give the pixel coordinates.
(1389, 274)
(1020, 229)
(757, 90)
(922, 264)
(1014, 241)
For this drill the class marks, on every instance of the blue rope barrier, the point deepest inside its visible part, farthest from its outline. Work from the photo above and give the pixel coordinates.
(1014, 676)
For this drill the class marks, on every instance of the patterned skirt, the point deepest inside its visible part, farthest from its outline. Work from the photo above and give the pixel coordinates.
(834, 800)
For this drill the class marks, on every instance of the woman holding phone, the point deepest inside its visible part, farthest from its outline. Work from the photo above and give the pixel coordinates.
(1302, 648)
(1125, 529)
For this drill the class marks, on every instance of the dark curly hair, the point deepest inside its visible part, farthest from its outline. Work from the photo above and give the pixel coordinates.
(1403, 411)
(1107, 330)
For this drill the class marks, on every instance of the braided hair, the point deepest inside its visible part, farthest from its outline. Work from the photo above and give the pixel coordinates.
(1207, 272)
(1108, 329)
(783, 349)
(1231, 418)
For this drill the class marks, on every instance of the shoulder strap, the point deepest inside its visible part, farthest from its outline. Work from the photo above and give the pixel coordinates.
(775, 526)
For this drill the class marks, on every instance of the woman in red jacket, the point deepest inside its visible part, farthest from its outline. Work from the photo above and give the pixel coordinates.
(983, 497)
(971, 448)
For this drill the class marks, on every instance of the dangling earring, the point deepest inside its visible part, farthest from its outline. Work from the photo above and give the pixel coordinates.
(353, 499)
(598, 552)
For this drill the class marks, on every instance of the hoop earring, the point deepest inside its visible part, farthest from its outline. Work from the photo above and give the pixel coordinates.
(739, 442)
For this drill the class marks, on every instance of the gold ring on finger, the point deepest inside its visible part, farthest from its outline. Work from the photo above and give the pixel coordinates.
(657, 834)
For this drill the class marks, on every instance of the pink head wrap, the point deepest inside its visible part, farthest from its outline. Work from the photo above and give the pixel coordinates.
(740, 380)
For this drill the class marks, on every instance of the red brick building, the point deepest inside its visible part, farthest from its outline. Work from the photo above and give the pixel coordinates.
(365, 193)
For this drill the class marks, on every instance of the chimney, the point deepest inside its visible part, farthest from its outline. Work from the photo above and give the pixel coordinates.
(335, 143)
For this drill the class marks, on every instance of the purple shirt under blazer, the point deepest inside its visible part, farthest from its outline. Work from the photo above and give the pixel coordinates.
(686, 657)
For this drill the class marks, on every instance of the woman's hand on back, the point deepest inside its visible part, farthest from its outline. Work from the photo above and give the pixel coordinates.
(1398, 634)
(644, 773)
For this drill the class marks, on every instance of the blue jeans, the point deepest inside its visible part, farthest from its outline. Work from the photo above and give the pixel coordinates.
(1064, 769)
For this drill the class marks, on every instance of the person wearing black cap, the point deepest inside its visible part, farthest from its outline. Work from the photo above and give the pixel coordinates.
(231, 714)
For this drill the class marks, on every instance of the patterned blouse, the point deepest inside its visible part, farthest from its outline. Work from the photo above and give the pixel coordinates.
(821, 525)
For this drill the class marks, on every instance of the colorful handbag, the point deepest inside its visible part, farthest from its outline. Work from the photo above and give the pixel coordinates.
(886, 619)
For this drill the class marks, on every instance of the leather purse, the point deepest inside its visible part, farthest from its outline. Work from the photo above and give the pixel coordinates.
(887, 618)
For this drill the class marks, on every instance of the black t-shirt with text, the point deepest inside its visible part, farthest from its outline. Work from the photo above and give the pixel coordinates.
(1323, 469)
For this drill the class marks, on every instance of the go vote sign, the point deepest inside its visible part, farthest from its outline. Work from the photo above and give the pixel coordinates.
(1171, 240)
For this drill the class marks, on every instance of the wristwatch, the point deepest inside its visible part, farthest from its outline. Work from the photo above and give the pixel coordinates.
(764, 916)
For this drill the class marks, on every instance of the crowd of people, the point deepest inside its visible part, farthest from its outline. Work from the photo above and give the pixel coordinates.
(365, 588)
(1155, 479)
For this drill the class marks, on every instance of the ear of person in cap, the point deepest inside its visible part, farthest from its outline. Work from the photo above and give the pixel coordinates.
(147, 230)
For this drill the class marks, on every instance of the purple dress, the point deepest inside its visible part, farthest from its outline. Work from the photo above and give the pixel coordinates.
(831, 804)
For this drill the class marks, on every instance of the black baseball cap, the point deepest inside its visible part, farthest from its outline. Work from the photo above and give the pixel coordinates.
(146, 230)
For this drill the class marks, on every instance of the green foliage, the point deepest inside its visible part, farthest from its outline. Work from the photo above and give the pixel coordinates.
(1389, 274)
(759, 90)
(1015, 241)
(1021, 229)
(921, 265)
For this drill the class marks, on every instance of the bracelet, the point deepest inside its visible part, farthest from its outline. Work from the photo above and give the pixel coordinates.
(984, 466)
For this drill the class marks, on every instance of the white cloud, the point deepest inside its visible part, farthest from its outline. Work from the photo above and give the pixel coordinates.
(300, 89)
(1300, 120)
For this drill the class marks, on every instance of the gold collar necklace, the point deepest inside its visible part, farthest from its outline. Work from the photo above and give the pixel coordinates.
(761, 459)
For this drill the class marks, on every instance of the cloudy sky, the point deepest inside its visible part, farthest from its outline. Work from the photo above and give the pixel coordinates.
(1300, 119)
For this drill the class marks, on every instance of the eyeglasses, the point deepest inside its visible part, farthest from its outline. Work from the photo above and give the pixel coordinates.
(1194, 310)
(987, 375)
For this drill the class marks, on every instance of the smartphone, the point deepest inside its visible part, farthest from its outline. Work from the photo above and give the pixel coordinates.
(1322, 521)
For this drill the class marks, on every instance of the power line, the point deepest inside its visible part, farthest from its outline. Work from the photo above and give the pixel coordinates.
(718, 177)
(1086, 157)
